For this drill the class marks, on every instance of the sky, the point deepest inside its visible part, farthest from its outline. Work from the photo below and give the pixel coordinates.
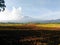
(39, 9)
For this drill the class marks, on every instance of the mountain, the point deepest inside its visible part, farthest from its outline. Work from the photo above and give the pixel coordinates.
(49, 21)
(54, 21)
(27, 19)
(24, 19)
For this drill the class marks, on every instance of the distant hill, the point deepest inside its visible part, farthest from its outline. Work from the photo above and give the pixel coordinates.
(27, 19)
(49, 21)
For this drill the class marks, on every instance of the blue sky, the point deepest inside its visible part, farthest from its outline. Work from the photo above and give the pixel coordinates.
(41, 9)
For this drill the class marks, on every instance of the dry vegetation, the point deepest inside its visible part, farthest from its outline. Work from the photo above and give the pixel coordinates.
(49, 26)
(30, 26)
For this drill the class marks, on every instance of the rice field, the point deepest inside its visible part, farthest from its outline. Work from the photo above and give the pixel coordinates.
(48, 25)
(30, 26)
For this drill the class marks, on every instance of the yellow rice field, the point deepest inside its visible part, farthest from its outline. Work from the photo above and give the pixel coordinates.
(48, 25)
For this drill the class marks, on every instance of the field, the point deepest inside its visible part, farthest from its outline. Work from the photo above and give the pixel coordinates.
(29, 34)
(49, 26)
(30, 26)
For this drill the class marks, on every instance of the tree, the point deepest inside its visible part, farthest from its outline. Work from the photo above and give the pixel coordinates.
(2, 5)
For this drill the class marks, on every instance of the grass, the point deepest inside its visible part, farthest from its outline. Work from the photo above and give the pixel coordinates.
(11, 24)
(30, 26)
(38, 25)
(48, 25)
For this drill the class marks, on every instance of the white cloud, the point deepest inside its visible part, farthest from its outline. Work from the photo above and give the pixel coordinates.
(16, 15)
(8, 15)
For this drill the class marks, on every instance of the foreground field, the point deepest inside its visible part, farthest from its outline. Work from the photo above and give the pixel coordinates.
(30, 34)
(30, 26)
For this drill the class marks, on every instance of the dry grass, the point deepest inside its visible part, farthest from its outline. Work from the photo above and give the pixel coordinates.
(30, 26)
(11, 24)
(48, 25)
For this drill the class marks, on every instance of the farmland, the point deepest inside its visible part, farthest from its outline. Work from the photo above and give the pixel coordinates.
(48, 25)
(25, 34)
(30, 26)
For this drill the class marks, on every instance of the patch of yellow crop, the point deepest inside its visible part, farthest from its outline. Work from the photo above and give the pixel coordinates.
(48, 25)
(11, 24)
(38, 25)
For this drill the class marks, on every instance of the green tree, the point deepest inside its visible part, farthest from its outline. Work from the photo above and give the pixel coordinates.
(2, 5)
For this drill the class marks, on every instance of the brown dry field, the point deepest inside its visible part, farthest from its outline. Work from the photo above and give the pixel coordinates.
(30, 27)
